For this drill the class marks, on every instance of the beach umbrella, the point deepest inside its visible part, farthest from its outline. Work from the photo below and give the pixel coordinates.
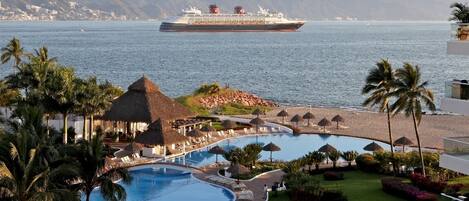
(237, 169)
(133, 147)
(338, 118)
(327, 148)
(374, 147)
(323, 123)
(271, 147)
(207, 128)
(257, 122)
(296, 119)
(195, 133)
(403, 141)
(257, 112)
(283, 114)
(228, 124)
(217, 150)
(308, 116)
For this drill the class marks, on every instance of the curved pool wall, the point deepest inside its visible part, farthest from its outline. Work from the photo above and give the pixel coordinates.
(151, 183)
(293, 147)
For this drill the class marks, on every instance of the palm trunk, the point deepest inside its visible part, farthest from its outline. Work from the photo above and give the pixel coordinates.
(91, 126)
(84, 135)
(317, 166)
(88, 196)
(418, 143)
(47, 125)
(390, 140)
(65, 134)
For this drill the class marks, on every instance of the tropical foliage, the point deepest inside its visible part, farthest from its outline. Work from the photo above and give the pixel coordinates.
(460, 12)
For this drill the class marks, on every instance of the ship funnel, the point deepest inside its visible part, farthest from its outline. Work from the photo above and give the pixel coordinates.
(214, 9)
(239, 10)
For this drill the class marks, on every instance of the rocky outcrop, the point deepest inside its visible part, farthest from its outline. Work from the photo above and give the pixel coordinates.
(236, 96)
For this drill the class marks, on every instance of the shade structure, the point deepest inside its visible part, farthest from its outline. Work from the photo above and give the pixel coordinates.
(144, 102)
(195, 133)
(296, 119)
(133, 147)
(228, 124)
(160, 133)
(308, 116)
(237, 169)
(271, 147)
(257, 122)
(283, 114)
(217, 150)
(403, 141)
(323, 123)
(337, 119)
(258, 112)
(207, 128)
(373, 147)
(327, 148)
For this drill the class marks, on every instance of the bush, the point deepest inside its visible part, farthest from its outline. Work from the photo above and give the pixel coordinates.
(425, 183)
(396, 187)
(367, 163)
(333, 176)
(302, 187)
(333, 195)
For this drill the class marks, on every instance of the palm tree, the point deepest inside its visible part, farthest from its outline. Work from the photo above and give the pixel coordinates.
(61, 95)
(90, 157)
(460, 12)
(252, 152)
(379, 84)
(411, 93)
(8, 95)
(349, 156)
(43, 55)
(317, 158)
(102, 100)
(13, 50)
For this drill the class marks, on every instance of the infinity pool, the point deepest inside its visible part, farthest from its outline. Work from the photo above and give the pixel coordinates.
(292, 147)
(151, 183)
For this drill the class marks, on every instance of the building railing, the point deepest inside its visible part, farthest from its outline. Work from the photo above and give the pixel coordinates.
(458, 89)
(457, 146)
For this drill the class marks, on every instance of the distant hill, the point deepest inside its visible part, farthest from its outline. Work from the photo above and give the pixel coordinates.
(309, 9)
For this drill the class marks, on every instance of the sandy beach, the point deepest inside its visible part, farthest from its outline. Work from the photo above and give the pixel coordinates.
(373, 125)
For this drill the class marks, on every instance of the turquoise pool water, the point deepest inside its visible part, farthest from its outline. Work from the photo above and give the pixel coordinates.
(156, 184)
(292, 147)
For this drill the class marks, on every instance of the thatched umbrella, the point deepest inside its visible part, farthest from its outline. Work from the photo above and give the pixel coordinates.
(338, 118)
(271, 147)
(217, 150)
(327, 148)
(160, 133)
(195, 133)
(133, 147)
(323, 123)
(296, 119)
(374, 147)
(308, 116)
(208, 129)
(237, 170)
(283, 114)
(228, 124)
(403, 141)
(257, 112)
(257, 122)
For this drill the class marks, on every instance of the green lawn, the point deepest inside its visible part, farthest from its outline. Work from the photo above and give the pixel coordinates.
(461, 180)
(357, 186)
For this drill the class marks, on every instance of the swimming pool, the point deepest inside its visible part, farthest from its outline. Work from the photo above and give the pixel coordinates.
(292, 147)
(151, 183)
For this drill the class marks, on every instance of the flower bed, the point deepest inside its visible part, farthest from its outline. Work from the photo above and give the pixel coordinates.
(333, 176)
(396, 187)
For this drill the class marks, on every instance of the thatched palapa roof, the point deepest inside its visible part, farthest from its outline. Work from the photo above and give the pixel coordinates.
(160, 133)
(144, 102)
(403, 141)
(373, 147)
(271, 147)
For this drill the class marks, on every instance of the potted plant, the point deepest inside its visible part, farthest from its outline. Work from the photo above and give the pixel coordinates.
(460, 14)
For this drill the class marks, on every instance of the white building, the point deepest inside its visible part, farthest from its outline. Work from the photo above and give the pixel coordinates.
(456, 100)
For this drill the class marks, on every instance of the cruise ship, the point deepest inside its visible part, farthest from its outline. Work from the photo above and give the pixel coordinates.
(193, 20)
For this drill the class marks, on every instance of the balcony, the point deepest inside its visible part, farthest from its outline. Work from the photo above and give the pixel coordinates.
(459, 43)
(456, 98)
(456, 155)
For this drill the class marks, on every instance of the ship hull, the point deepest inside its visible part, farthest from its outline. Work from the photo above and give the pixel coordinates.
(176, 27)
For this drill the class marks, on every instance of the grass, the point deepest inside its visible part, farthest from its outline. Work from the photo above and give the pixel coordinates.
(357, 186)
(461, 180)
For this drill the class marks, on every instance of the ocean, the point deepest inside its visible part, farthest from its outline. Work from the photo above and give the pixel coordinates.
(324, 64)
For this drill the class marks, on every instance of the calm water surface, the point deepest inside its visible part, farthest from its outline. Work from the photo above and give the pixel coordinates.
(323, 64)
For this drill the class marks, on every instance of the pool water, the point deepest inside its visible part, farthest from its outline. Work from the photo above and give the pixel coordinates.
(150, 183)
(292, 147)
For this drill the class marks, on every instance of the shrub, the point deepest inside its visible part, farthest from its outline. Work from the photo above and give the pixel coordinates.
(367, 163)
(396, 187)
(425, 183)
(333, 176)
(349, 156)
(333, 195)
(302, 187)
(212, 88)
